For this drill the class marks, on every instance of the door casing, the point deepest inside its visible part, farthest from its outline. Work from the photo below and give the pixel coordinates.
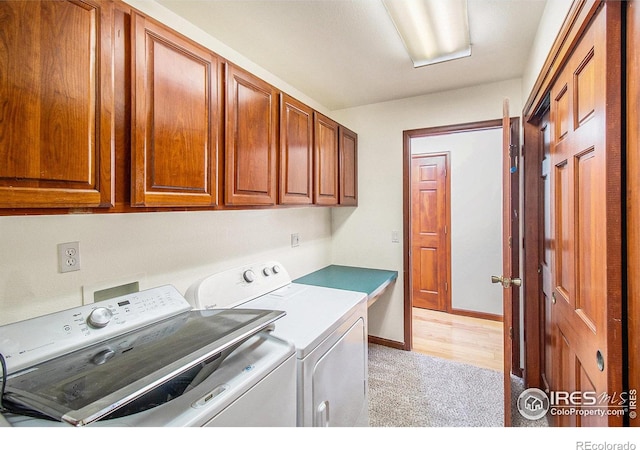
(443, 130)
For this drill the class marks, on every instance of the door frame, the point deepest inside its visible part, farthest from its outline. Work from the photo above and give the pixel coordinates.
(437, 131)
(532, 248)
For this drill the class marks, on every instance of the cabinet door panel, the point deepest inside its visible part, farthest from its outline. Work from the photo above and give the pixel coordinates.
(348, 167)
(251, 139)
(56, 130)
(175, 131)
(325, 160)
(296, 152)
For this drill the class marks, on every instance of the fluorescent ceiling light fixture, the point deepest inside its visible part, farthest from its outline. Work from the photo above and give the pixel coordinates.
(433, 31)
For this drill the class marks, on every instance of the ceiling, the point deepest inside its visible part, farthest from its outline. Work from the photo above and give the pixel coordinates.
(345, 53)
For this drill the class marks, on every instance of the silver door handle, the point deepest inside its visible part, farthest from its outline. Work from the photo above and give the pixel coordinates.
(506, 281)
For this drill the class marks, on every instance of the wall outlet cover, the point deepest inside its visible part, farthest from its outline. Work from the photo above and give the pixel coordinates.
(68, 257)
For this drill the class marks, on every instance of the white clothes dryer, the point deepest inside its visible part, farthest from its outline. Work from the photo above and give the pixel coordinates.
(328, 328)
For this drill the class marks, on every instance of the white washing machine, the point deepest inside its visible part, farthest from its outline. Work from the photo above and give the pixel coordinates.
(327, 326)
(147, 359)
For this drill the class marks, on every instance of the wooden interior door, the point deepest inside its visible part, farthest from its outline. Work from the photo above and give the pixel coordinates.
(586, 219)
(429, 231)
(508, 279)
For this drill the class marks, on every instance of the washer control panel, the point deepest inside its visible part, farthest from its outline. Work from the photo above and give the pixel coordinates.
(26, 343)
(238, 285)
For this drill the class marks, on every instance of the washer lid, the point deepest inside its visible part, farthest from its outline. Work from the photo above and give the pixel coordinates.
(83, 386)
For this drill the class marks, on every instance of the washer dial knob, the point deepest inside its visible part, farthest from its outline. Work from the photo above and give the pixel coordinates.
(267, 272)
(276, 269)
(249, 276)
(99, 317)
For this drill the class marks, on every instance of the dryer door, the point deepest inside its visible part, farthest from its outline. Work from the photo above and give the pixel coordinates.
(340, 381)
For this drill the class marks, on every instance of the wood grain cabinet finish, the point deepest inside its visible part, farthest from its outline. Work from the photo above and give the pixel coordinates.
(348, 167)
(175, 122)
(296, 152)
(251, 140)
(325, 160)
(56, 104)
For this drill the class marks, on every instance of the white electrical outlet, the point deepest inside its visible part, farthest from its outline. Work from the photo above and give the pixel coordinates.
(295, 240)
(68, 257)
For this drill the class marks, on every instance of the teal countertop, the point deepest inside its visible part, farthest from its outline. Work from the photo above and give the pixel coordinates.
(370, 281)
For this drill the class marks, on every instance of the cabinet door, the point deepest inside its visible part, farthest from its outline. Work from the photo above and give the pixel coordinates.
(175, 123)
(325, 160)
(348, 167)
(296, 152)
(56, 90)
(251, 139)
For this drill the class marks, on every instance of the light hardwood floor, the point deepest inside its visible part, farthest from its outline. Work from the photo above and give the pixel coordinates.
(460, 338)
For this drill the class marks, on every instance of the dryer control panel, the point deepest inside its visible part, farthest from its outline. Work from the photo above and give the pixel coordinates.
(235, 286)
(26, 343)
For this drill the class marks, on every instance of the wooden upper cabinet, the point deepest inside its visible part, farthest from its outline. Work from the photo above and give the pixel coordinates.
(296, 152)
(56, 91)
(251, 140)
(348, 151)
(175, 120)
(325, 160)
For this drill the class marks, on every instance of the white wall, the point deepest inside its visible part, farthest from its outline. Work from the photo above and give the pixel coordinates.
(155, 248)
(362, 235)
(476, 215)
(552, 18)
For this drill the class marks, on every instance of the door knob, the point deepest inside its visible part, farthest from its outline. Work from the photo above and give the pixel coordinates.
(506, 281)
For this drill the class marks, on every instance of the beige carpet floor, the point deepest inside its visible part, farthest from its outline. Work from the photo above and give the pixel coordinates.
(408, 389)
